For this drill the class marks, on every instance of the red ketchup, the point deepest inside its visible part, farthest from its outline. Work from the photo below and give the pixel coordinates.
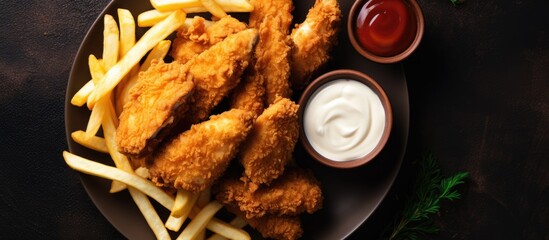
(386, 27)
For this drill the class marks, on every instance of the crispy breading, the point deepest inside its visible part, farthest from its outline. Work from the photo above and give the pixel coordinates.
(271, 226)
(277, 227)
(271, 8)
(295, 192)
(218, 70)
(157, 102)
(313, 40)
(198, 37)
(269, 147)
(249, 95)
(273, 18)
(197, 157)
(273, 59)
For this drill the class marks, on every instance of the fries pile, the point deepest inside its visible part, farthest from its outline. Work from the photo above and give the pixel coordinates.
(111, 78)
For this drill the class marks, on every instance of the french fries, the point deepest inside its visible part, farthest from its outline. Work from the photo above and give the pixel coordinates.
(213, 8)
(111, 43)
(150, 214)
(193, 6)
(180, 213)
(237, 222)
(152, 37)
(95, 143)
(200, 221)
(151, 17)
(127, 31)
(101, 170)
(228, 231)
(80, 98)
(97, 72)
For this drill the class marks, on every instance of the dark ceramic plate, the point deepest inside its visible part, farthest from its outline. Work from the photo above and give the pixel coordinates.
(351, 196)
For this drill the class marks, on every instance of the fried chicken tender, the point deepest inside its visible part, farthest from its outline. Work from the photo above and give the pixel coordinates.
(313, 40)
(201, 35)
(296, 191)
(249, 95)
(269, 147)
(197, 157)
(273, 18)
(218, 70)
(157, 102)
(271, 226)
(277, 227)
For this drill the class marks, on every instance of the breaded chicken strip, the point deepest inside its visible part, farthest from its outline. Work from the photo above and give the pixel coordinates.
(273, 18)
(272, 8)
(277, 227)
(295, 192)
(218, 70)
(201, 35)
(313, 40)
(249, 95)
(269, 147)
(273, 227)
(196, 158)
(157, 102)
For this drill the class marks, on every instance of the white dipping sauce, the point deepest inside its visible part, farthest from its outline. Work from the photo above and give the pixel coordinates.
(344, 120)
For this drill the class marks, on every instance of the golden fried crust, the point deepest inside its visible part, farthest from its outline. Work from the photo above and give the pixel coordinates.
(198, 37)
(271, 142)
(197, 157)
(217, 71)
(295, 192)
(313, 40)
(271, 226)
(270, 8)
(273, 18)
(272, 57)
(157, 103)
(277, 227)
(249, 95)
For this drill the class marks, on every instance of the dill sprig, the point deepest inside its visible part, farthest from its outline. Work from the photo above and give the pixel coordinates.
(429, 190)
(457, 2)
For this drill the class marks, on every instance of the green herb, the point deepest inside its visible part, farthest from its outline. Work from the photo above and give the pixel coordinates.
(429, 190)
(457, 2)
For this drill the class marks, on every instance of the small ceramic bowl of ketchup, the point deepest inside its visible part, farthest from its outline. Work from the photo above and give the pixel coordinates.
(385, 31)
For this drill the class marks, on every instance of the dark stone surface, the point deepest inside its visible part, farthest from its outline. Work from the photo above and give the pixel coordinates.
(478, 88)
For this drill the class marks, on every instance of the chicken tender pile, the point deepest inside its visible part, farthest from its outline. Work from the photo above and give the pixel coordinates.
(225, 99)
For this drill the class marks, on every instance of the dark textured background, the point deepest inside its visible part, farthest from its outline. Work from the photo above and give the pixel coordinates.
(479, 102)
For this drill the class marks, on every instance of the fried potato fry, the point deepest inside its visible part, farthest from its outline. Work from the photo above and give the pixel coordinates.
(80, 97)
(150, 39)
(151, 17)
(101, 170)
(95, 143)
(193, 6)
(111, 42)
(227, 231)
(94, 122)
(200, 221)
(213, 8)
(174, 223)
(182, 200)
(150, 214)
(127, 31)
(237, 222)
(109, 131)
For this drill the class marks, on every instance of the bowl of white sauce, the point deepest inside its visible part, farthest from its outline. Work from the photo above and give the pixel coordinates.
(345, 118)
